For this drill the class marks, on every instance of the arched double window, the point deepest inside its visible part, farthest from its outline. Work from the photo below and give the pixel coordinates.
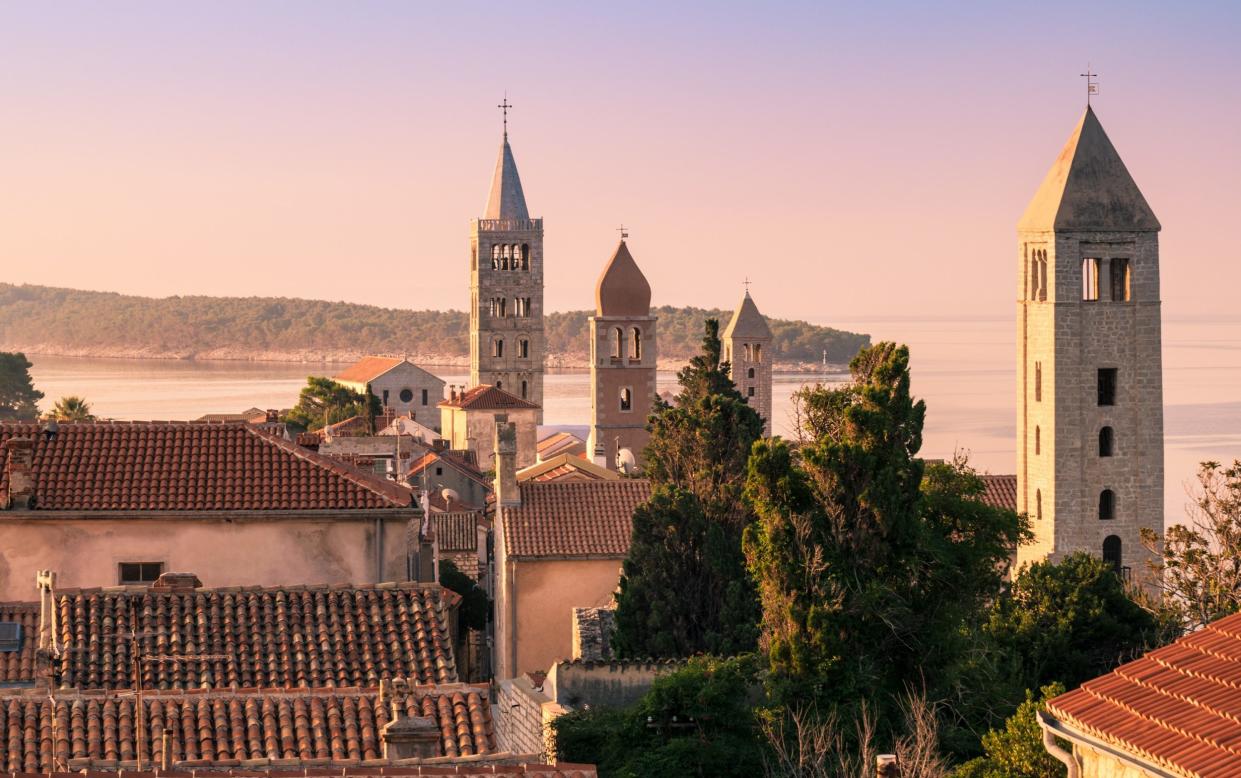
(497, 348)
(635, 344)
(618, 343)
(1107, 505)
(1107, 441)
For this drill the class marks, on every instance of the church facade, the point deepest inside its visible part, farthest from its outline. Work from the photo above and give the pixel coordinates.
(1090, 464)
(507, 343)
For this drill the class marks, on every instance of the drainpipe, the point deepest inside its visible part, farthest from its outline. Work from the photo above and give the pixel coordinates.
(379, 549)
(1053, 748)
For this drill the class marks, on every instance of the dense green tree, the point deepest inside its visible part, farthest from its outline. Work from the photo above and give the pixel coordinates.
(1068, 622)
(699, 720)
(72, 408)
(684, 587)
(323, 401)
(1017, 751)
(475, 605)
(18, 397)
(872, 567)
(1195, 568)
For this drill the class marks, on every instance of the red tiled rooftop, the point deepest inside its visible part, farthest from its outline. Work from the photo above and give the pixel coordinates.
(224, 729)
(490, 766)
(19, 666)
(301, 636)
(488, 398)
(1001, 491)
(574, 518)
(367, 369)
(1178, 706)
(187, 466)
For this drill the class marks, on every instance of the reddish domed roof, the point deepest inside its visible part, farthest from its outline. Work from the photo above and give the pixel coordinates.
(622, 289)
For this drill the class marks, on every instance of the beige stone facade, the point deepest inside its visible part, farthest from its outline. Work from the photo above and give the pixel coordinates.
(1090, 399)
(507, 343)
(474, 429)
(747, 349)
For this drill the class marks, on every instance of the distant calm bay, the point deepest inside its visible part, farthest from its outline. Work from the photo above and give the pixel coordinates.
(963, 368)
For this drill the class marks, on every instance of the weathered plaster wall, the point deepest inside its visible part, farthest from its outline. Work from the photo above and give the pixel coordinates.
(1096, 764)
(85, 552)
(546, 593)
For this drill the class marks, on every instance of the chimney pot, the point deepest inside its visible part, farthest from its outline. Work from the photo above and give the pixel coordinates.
(508, 494)
(19, 465)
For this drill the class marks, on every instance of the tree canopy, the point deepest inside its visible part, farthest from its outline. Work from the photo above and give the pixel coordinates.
(72, 408)
(322, 401)
(18, 397)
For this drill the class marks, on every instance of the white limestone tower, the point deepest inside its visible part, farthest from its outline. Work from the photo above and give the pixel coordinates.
(622, 360)
(747, 349)
(1089, 375)
(506, 288)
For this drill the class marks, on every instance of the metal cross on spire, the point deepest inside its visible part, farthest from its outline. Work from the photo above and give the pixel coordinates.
(504, 106)
(747, 283)
(1092, 86)
(624, 231)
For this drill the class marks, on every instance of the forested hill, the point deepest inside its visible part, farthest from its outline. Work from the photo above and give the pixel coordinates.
(51, 320)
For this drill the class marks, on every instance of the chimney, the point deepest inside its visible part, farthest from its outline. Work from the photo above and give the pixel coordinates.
(886, 766)
(507, 492)
(18, 465)
(601, 455)
(405, 736)
(273, 415)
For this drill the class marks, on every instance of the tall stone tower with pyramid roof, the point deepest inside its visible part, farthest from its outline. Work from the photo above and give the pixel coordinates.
(1089, 371)
(747, 349)
(622, 360)
(506, 289)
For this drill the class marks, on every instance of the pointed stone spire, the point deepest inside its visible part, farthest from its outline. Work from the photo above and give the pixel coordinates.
(1088, 189)
(747, 322)
(506, 200)
(622, 289)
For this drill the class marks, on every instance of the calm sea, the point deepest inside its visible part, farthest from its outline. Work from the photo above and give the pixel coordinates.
(963, 368)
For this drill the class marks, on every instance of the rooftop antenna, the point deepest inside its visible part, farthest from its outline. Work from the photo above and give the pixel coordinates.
(504, 106)
(1092, 86)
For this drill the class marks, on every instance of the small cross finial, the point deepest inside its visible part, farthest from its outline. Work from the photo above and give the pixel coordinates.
(1092, 86)
(504, 106)
(747, 284)
(624, 231)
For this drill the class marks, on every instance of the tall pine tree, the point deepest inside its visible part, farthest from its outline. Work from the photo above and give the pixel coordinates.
(684, 588)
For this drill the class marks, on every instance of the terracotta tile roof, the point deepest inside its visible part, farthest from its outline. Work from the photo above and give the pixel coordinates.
(226, 729)
(354, 426)
(1001, 491)
(566, 467)
(188, 466)
(561, 443)
(487, 398)
(300, 636)
(457, 531)
(18, 666)
(450, 458)
(1178, 707)
(367, 369)
(573, 518)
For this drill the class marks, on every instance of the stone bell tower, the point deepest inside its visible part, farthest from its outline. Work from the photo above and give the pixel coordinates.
(622, 360)
(1089, 370)
(747, 349)
(506, 288)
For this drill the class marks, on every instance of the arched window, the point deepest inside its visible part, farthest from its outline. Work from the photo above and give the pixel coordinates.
(1038, 504)
(749, 353)
(1042, 280)
(749, 373)
(618, 345)
(1034, 277)
(495, 257)
(497, 347)
(499, 384)
(635, 347)
(523, 349)
(1038, 440)
(524, 389)
(626, 399)
(1106, 441)
(1107, 505)
(505, 254)
(758, 352)
(1112, 551)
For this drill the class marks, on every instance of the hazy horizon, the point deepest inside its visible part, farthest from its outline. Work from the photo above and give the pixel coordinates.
(849, 160)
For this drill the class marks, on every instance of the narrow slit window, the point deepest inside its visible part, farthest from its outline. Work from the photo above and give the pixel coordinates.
(618, 344)
(1038, 504)
(635, 346)
(1107, 386)
(525, 387)
(1120, 280)
(1090, 279)
(1038, 382)
(626, 399)
(1038, 440)
(1107, 441)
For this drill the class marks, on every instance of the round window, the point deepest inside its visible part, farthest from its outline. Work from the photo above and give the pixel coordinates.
(407, 395)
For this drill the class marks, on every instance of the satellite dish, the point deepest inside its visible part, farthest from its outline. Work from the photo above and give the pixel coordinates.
(626, 462)
(450, 495)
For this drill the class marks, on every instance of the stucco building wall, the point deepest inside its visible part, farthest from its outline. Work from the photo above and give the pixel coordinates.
(475, 429)
(225, 551)
(407, 377)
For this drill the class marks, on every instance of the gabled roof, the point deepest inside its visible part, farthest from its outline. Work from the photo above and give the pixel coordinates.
(1178, 707)
(295, 636)
(622, 289)
(461, 465)
(207, 728)
(564, 467)
(369, 368)
(1001, 491)
(456, 531)
(747, 322)
(487, 398)
(1089, 189)
(506, 199)
(573, 518)
(560, 443)
(187, 466)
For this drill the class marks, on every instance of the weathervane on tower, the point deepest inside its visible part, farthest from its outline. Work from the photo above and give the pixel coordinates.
(1092, 86)
(504, 106)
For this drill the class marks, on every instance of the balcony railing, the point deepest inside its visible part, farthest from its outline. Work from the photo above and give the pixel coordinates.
(514, 225)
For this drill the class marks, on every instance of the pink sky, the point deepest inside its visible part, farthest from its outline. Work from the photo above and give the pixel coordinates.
(850, 160)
